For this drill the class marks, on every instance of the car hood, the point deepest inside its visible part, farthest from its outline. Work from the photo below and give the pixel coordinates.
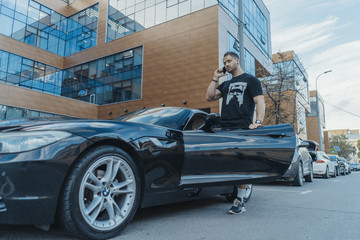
(88, 128)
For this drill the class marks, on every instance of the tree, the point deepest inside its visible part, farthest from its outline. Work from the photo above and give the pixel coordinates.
(358, 146)
(346, 149)
(282, 90)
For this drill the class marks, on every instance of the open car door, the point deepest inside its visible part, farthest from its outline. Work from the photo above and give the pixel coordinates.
(224, 157)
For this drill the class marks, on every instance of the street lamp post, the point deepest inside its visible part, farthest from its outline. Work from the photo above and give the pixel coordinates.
(318, 110)
(241, 35)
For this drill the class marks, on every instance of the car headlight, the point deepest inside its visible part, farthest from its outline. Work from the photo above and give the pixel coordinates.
(12, 142)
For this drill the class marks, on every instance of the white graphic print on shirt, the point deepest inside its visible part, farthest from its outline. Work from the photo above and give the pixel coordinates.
(236, 90)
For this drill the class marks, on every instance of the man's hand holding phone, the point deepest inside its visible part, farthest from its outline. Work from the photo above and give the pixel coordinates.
(220, 72)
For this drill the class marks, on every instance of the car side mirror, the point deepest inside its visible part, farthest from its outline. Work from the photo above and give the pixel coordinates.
(211, 121)
(303, 144)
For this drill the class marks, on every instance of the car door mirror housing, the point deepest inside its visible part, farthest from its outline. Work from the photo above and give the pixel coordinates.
(211, 121)
(303, 144)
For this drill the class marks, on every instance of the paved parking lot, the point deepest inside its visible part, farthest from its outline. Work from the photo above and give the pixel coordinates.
(324, 209)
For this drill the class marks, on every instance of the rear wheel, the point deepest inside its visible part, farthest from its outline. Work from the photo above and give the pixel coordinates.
(299, 178)
(101, 194)
(310, 177)
(326, 174)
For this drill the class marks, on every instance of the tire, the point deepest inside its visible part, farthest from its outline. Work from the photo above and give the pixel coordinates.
(334, 175)
(326, 174)
(299, 178)
(231, 196)
(101, 194)
(310, 177)
(338, 171)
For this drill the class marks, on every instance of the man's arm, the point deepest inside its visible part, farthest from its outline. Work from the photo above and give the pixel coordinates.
(260, 111)
(212, 93)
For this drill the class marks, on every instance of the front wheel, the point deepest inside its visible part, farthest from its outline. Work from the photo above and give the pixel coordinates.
(101, 194)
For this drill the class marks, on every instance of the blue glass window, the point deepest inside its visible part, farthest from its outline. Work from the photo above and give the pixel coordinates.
(256, 26)
(114, 78)
(11, 113)
(127, 17)
(37, 25)
(233, 46)
(254, 20)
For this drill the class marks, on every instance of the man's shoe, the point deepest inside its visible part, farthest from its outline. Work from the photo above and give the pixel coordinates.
(237, 207)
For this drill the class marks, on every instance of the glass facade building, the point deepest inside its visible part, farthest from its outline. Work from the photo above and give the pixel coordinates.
(112, 71)
(39, 26)
(129, 16)
(233, 45)
(115, 78)
(255, 23)
(111, 79)
(10, 113)
(24, 72)
(256, 26)
(295, 78)
(315, 109)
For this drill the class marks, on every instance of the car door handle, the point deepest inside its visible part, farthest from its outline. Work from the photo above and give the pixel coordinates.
(273, 135)
(276, 135)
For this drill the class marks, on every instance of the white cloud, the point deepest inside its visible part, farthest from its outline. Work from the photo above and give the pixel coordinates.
(340, 89)
(342, 54)
(325, 4)
(323, 43)
(305, 38)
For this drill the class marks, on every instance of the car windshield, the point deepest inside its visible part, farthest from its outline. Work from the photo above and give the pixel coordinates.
(166, 117)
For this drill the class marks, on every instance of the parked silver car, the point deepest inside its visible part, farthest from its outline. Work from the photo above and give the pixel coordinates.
(347, 165)
(340, 165)
(301, 165)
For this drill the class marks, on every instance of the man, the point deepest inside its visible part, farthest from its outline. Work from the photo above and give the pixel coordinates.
(240, 94)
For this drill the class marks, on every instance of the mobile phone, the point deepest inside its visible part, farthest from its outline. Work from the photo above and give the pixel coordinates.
(224, 70)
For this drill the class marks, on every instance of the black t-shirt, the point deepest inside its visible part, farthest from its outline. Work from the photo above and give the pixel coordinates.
(238, 105)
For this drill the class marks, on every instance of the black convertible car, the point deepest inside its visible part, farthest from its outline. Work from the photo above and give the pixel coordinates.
(92, 175)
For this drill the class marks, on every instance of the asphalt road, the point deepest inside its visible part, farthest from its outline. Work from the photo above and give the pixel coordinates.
(324, 209)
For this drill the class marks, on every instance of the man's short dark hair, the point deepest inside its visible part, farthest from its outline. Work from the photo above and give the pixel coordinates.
(233, 54)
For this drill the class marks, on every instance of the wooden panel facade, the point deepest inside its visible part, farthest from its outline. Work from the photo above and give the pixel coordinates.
(31, 52)
(312, 128)
(179, 59)
(283, 56)
(26, 98)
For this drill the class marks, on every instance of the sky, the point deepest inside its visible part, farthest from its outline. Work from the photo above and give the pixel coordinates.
(325, 35)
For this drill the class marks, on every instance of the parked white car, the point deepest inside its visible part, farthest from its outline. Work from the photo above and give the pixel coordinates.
(322, 165)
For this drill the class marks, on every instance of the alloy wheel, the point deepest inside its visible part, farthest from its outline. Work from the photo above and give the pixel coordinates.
(107, 193)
